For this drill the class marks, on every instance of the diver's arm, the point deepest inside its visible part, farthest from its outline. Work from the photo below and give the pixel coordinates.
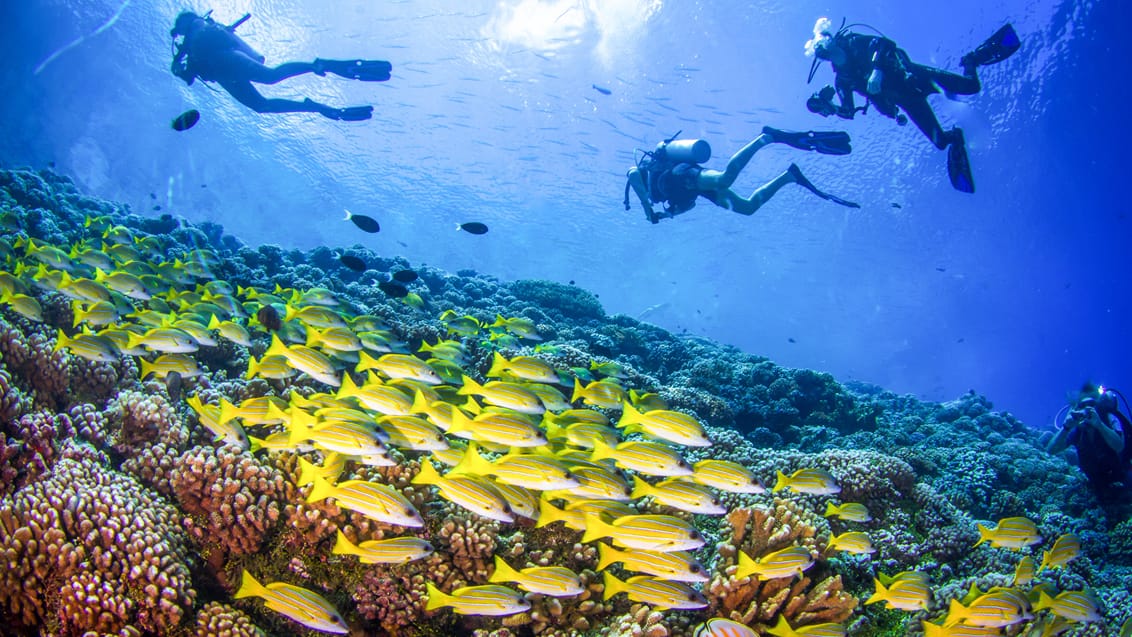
(1112, 439)
(848, 106)
(1060, 440)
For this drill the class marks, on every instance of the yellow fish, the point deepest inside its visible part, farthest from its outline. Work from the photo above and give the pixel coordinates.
(531, 471)
(677, 566)
(600, 393)
(851, 511)
(658, 593)
(1065, 549)
(782, 628)
(787, 562)
(679, 494)
(473, 494)
(642, 456)
(399, 366)
(646, 532)
(1011, 533)
(376, 501)
(1000, 607)
(519, 326)
(904, 594)
(208, 415)
(395, 550)
(852, 542)
(1024, 572)
(523, 367)
(1077, 606)
(232, 331)
(958, 630)
(809, 480)
(166, 364)
(329, 471)
(311, 361)
(88, 346)
(508, 429)
(726, 476)
(169, 340)
(503, 394)
(24, 305)
(671, 426)
(553, 581)
(295, 603)
(490, 600)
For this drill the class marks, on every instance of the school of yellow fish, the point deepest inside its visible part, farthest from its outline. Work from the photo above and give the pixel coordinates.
(512, 445)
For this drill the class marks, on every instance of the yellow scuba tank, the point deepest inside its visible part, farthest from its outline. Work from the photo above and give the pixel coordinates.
(691, 151)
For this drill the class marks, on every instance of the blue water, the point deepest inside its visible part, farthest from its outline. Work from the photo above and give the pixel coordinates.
(1020, 292)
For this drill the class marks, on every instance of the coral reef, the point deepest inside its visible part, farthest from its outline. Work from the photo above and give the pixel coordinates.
(122, 513)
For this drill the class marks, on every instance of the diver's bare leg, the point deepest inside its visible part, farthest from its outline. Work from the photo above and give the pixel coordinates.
(749, 205)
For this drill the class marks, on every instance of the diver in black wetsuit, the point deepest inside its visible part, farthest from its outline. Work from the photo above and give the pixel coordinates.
(672, 173)
(1102, 435)
(215, 53)
(875, 67)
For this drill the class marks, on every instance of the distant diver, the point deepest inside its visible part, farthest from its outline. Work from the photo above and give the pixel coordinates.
(1102, 435)
(214, 53)
(672, 174)
(875, 67)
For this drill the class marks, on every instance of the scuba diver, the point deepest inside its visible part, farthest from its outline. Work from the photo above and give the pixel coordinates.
(875, 67)
(672, 174)
(1102, 435)
(214, 53)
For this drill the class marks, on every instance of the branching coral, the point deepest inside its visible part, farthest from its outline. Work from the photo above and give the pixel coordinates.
(814, 597)
(219, 620)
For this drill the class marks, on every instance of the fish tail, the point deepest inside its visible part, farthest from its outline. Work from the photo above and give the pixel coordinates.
(253, 368)
(343, 546)
(985, 534)
(228, 411)
(60, 342)
(470, 386)
(629, 415)
(1045, 561)
(880, 595)
(601, 450)
(277, 348)
(472, 461)
(307, 474)
(146, 368)
(781, 483)
(612, 585)
(830, 510)
(348, 215)
(254, 444)
(746, 566)
(503, 572)
(427, 474)
(579, 391)
(320, 490)
(606, 555)
(957, 612)
(436, 597)
(641, 488)
(249, 587)
(365, 362)
(782, 628)
(596, 528)
(547, 513)
(498, 364)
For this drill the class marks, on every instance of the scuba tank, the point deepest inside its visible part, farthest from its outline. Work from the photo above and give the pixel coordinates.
(689, 151)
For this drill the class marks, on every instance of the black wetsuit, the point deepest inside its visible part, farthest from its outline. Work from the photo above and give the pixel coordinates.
(1100, 463)
(674, 184)
(905, 85)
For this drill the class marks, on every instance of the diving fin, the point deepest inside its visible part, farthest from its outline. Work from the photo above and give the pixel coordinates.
(349, 114)
(825, 142)
(364, 70)
(958, 166)
(998, 47)
(801, 180)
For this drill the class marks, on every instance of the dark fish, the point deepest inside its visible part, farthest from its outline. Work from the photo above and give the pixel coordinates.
(473, 227)
(960, 340)
(896, 205)
(791, 339)
(352, 262)
(402, 244)
(395, 290)
(405, 276)
(366, 224)
(153, 195)
(571, 281)
(186, 120)
(269, 317)
(602, 89)
(941, 269)
(173, 386)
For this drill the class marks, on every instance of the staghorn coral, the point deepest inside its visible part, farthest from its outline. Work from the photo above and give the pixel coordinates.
(815, 597)
(231, 499)
(90, 550)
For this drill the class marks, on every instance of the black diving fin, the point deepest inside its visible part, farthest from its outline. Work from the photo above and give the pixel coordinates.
(1003, 44)
(825, 142)
(364, 70)
(958, 166)
(801, 180)
(350, 113)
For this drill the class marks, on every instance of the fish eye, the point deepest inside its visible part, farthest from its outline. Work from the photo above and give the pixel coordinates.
(695, 535)
(411, 512)
(507, 508)
(694, 568)
(567, 475)
(691, 597)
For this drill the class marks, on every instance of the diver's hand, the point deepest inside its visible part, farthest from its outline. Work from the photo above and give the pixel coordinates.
(875, 80)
